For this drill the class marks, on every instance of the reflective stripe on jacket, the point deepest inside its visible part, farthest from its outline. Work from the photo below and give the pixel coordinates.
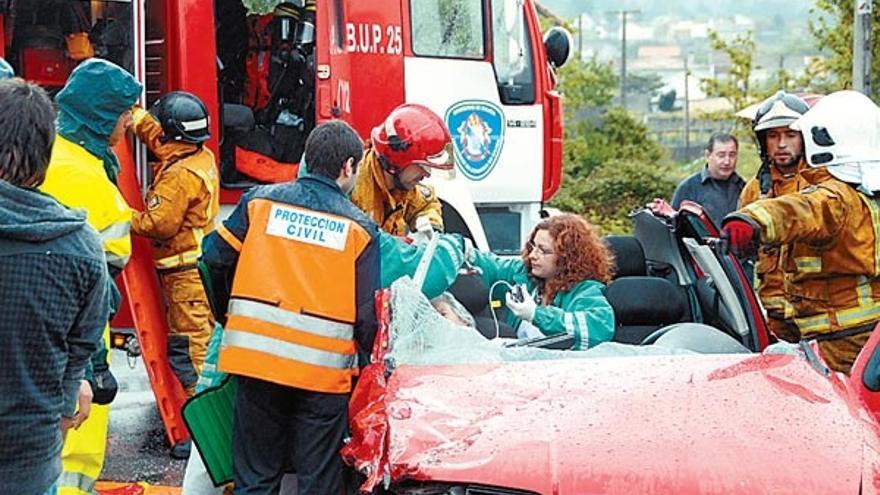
(303, 286)
(768, 268)
(183, 200)
(832, 272)
(76, 178)
(395, 211)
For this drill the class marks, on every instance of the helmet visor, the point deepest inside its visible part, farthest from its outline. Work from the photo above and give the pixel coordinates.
(442, 160)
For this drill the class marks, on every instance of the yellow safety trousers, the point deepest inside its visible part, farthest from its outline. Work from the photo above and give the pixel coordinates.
(82, 457)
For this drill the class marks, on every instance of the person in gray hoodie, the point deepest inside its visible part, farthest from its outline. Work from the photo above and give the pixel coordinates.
(54, 297)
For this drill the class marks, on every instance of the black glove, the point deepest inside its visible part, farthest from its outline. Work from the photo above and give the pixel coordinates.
(104, 386)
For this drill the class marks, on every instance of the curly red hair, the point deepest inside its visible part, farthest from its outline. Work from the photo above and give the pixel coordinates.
(581, 253)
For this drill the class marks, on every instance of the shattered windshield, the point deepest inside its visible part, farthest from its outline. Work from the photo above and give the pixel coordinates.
(421, 336)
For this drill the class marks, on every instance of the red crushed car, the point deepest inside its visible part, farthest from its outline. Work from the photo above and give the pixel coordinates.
(692, 397)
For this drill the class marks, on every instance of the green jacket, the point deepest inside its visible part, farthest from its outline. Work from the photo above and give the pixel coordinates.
(581, 311)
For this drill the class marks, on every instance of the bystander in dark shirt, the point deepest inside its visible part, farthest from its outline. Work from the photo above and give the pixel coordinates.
(53, 307)
(717, 197)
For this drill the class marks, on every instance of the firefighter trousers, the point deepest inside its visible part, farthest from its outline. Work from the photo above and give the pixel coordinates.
(82, 457)
(841, 353)
(274, 424)
(190, 323)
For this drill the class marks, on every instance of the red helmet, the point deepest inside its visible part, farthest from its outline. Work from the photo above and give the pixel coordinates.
(412, 134)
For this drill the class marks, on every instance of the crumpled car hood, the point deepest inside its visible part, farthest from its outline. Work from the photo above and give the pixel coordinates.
(669, 424)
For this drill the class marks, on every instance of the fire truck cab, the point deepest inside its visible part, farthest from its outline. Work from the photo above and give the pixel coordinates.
(269, 70)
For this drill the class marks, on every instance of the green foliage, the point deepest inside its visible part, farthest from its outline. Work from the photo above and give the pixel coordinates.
(260, 6)
(834, 33)
(736, 87)
(667, 101)
(586, 84)
(647, 83)
(611, 167)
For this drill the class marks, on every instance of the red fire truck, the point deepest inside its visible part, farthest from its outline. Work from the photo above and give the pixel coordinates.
(269, 70)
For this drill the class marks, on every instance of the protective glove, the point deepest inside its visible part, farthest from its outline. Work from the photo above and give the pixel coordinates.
(742, 234)
(102, 381)
(524, 309)
(138, 114)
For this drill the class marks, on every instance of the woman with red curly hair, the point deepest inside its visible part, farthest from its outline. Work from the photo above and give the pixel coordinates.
(561, 278)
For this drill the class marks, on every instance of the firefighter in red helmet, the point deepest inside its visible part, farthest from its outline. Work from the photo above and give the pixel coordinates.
(403, 150)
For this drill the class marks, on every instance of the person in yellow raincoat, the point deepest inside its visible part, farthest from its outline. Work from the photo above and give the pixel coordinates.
(402, 151)
(832, 263)
(93, 115)
(180, 207)
(782, 160)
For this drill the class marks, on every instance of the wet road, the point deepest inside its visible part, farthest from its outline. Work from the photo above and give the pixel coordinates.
(136, 447)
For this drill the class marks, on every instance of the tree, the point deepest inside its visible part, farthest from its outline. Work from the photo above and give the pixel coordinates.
(586, 84)
(834, 33)
(647, 83)
(736, 87)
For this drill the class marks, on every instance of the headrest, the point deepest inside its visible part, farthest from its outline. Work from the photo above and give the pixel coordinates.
(628, 255)
(646, 301)
(471, 293)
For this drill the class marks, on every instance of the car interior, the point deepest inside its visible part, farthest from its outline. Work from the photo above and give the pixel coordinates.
(670, 288)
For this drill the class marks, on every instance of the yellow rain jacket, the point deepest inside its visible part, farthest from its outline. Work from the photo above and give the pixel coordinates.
(77, 179)
(395, 211)
(831, 264)
(768, 269)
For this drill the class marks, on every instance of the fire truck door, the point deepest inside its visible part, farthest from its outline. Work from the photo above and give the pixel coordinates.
(333, 72)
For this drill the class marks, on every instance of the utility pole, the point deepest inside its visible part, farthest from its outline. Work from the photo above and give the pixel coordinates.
(861, 74)
(580, 38)
(623, 14)
(687, 109)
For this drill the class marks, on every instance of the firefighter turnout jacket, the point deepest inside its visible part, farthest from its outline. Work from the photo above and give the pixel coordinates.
(832, 261)
(395, 211)
(768, 268)
(183, 199)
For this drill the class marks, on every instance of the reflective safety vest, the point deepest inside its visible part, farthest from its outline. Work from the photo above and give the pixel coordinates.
(293, 305)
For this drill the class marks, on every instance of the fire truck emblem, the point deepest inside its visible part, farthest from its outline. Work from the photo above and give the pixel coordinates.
(477, 129)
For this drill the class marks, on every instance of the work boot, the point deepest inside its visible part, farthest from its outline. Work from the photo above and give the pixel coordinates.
(180, 450)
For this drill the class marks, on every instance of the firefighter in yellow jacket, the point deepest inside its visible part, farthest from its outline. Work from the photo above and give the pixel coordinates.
(782, 160)
(832, 263)
(93, 115)
(180, 207)
(403, 150)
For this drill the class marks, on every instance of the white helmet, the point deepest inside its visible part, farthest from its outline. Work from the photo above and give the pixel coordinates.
(842, 132)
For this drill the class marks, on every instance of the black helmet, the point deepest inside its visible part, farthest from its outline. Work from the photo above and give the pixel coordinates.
(183, 117)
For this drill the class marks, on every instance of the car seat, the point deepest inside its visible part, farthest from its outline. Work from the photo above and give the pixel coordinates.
(644, 304)
(641, 304)
(470, 291)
